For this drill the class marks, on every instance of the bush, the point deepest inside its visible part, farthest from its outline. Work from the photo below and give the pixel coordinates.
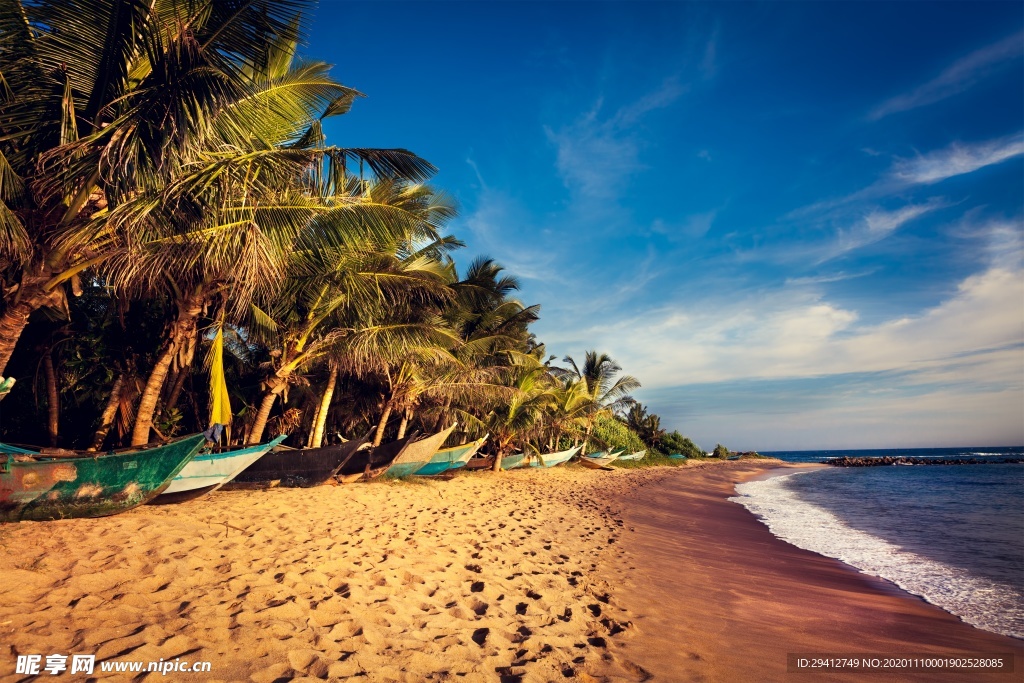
(609, 433)
(720, 452)
(675, 442)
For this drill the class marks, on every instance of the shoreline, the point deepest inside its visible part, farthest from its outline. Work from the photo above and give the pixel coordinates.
(718, 597)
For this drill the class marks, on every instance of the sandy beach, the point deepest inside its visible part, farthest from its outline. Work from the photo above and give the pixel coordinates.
(523, 576)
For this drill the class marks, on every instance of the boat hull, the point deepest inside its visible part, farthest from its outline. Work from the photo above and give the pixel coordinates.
(370, 463)
(97, 486)
(303, 467)
(209, 471)
(597, 463)
(416, 455)
(639, 455)
(553, 459)
(450, 458)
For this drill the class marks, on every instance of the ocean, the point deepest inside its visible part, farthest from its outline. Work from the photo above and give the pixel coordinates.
(951, 534)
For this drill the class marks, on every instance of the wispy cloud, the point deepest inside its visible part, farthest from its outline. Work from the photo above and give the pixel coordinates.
(957, 159)
(596, 155)
(925, 169)
(693, 226)
(874, 227)
(958, 77)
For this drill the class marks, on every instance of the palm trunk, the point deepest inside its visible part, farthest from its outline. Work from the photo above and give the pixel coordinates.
(181, 331)
(382, 424)
(31, 296)
(497, 459)
(312, 426)
(107, 419)
(321, 416)
(404, 423)
(179, 379)
(259, 425)
(52, 397)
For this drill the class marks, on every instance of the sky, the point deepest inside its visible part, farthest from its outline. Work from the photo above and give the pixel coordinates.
(798, 224)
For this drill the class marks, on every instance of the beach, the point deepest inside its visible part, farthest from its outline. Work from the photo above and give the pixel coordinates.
(562, 574)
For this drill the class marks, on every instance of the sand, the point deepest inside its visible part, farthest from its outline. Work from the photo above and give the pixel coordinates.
(534, 575)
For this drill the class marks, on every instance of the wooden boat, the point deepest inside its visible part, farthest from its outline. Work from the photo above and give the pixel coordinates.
(41, 487)
(639, 455)
(552, 459)
(482, 463)
(602, 463)
(370, 463)
(209, 471)
(450, 458)
(416, 455)
(302, 467)
(677, 456)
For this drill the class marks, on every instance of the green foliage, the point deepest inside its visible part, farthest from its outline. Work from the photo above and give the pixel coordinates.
(720, 452)
(674, 442)
(611, 434)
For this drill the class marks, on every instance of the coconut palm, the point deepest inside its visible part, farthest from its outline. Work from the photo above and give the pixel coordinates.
(599, 373)
(362, 292)
(96, 96)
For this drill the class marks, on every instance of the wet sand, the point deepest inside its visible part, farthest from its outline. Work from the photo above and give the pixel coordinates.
(564, 574)
(716, 597)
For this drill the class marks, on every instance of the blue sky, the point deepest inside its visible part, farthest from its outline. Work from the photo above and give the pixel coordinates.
(798, 224)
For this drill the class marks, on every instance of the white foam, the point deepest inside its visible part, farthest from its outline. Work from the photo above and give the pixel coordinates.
(984, 603)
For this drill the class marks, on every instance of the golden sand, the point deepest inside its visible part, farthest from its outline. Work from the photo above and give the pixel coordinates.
(530, 575)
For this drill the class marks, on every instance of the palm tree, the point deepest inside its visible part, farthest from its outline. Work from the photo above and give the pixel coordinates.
(96, 98)
(360, 288)
(608, 393)
(513, 420)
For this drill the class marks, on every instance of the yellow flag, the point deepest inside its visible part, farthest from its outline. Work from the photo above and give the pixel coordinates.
(220, 403)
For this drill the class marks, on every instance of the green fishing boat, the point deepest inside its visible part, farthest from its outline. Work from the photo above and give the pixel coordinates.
(37, 486)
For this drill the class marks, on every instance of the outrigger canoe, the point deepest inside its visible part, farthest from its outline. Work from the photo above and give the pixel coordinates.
(303, 467)
(209, 471)
(450, 458)
(639, 455)
(37, 486)
(416, 455)
(553, 459)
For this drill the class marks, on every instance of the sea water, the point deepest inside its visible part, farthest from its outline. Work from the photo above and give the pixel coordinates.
(951, 534)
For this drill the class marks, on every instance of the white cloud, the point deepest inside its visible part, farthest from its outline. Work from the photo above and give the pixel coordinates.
(957, 159)
(957, 78)
(795, 333)
(596, 156)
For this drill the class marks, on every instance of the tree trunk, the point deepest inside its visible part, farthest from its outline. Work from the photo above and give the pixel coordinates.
(312, 426)
(179, 379)
(52, 397)
(182, 329)
(497, 459)
(107, 419)
(404, 423)
(321, 416)
(260, 424)
(30, 297)
(382, 424)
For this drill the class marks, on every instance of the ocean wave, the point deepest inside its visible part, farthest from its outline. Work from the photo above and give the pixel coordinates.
(981, 602)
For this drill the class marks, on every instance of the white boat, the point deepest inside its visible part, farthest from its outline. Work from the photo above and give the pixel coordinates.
(639, 455)
(209, 471)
